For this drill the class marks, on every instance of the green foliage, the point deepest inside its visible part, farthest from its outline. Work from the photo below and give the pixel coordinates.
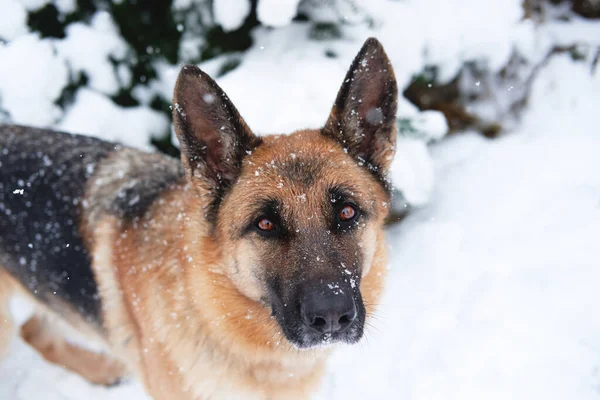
(47, 22)
(219, 42)
(428, 76)
(405, 127)
(229, 65)
(153, 31)
(149, 28)
(68, 94)
(164, 145)
(156, 33)
(325, 31)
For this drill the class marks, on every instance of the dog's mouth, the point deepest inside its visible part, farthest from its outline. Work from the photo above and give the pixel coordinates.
(307, 340)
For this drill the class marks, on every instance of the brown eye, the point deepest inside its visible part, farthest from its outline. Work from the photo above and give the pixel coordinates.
(347, 213)
(265, 225)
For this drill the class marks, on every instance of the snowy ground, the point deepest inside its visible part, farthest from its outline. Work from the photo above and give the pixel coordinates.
(493, 288)
(492, 291)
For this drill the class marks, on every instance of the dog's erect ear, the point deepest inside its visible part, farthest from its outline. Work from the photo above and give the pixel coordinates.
(363, 118)
(213, 136)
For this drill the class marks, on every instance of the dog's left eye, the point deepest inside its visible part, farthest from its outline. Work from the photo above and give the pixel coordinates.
(347, 213)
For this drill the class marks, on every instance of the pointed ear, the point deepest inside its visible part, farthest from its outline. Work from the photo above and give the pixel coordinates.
(363, 118)
(213, 136)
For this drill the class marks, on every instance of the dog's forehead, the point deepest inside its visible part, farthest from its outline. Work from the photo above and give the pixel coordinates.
(302, 173)
(302, 158)
(301, 176)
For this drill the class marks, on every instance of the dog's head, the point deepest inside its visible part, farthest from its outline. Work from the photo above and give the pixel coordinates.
(299, 214)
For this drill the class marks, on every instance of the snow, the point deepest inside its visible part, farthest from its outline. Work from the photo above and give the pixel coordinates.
(412, 170)
(32, 5)
(565, 34)
(26, 376)
(492, 290)
(231, 14)
(433, 124)
(95, 115)
(432, 32)
(276, 12)
(493, 286)
(415, 34)
(65, 6)
(31, 80)
(179, 4)
(94, 60)
(302, 77)
(13, 19)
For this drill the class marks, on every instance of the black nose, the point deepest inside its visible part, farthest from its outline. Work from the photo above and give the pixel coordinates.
(328, 311)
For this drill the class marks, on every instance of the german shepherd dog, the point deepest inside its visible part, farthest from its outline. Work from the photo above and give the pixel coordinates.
(226, 274)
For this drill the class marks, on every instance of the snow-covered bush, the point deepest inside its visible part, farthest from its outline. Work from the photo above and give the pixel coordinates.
(107, 67)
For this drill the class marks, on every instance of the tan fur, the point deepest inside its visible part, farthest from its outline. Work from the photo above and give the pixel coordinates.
(120, 331)
(172, 311)
(98, 368)
(45, 332)
(7, 328)
(171, 307)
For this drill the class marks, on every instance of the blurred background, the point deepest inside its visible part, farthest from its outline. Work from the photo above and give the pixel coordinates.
(107, 67)
(494, 269)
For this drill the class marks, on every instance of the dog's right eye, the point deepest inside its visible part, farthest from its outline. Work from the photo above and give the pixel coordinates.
(268, 227)
(265, 225)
